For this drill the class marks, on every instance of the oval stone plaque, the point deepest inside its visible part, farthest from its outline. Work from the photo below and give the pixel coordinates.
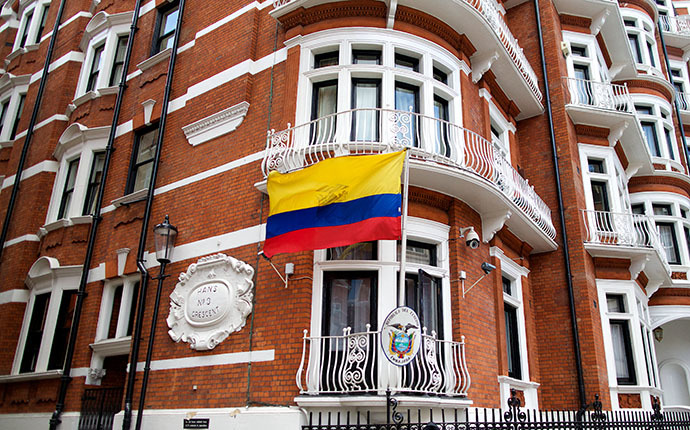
(207, 303)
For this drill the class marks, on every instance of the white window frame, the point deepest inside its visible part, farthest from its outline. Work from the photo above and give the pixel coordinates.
(12, 88)
(594, 59)
(505, 129)
(515, 272)
(386, 265)
(103, 346)
(25, 7)
(631, 293)
(660, 108)
(645, 29)
(76, 142)
(388, 42)
(103, 29)
(678, 203)
(615, 177)
(45, 276)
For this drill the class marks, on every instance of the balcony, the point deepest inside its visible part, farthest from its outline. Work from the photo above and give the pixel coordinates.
(676, 30)
(683, 100)
(628, 236)
(605, 19)
(353, 364)
(444, 157)
(482, 22)
(606, 105)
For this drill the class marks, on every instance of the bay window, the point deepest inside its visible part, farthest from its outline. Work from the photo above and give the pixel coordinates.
(671, 215)
(655, 119)
(104, 44)
(81, 155)
(368, 86)
(628, 345)
(48, 317)
(642, 40)
(34, 15)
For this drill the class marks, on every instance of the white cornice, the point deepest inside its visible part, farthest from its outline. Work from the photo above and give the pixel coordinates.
(216, 125)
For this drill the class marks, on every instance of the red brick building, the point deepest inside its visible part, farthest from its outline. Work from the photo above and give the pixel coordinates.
(574, 186)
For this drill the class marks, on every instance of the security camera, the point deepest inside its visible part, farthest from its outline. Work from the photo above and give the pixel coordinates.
(472, 239)
(487, 267)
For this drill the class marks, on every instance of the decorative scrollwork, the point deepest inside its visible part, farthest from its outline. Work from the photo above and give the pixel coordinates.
(656, 406)
(514, 414)
(396, 416)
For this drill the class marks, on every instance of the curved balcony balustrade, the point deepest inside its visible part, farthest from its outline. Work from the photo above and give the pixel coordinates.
(353, 364)
(607, 105)
(629, 236)
(676, 30)
(496, 47)
(683, 100)
(444, 158)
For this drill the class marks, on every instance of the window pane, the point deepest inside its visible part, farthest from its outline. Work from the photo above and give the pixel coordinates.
(365, 98)
(596, 166)
(357, 251)
(442, 143)
(324, 105)
(94, 183)
(132, 309)
(326, 59)
(669, 143)
(407, 63)
(115, 314)
(35, 333)
(349, 302)
(95, 68)
(649, 131)
(3, 114)
(419, 253)
(622, 352)
(62, 330)
(25, 30)
(118, 62)
(142, 164)
(366, 57)
(407, 100)
(68, 190)
(512, 342)
(662, 209)
(615, 303)
(669, 242)
(423, 295)
(635, 47)
(440, 75)
(507, 286)
(42, 24)
(600, 196)
(18, 116)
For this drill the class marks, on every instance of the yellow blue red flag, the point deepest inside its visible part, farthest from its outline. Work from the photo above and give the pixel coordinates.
(336, 202)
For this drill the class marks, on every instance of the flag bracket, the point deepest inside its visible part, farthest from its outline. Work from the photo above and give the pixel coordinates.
(289, 269)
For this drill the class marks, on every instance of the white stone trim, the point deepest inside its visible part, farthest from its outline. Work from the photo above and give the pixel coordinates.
(56, 117)
(75, 56)
(154, 59)
(14, 296)
(20, 239)
(216, 125)
(44, 166)
(210, 360)
(528, 388)
(661, 315)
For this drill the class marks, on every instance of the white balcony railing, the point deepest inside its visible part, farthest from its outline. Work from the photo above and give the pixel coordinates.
(675, 24)
(490, 11)
(372, 131)
(600, 95)
(623, 229)
(353, 363)
(683, 101)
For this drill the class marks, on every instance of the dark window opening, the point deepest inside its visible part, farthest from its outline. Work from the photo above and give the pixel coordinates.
(141, 165)
(68, 189)
(166, 22)
(35, 334)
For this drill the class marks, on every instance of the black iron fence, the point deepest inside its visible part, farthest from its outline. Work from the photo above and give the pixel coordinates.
(98, 407)
(514, 418)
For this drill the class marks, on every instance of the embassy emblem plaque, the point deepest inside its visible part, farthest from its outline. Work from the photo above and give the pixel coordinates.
(211, 300)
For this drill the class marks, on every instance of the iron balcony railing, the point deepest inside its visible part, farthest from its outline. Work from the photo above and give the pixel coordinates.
(491, 12)
(602, 95)
(683, 101)
(623, 229)
(354, 364)
(371, 131)
(675, 24)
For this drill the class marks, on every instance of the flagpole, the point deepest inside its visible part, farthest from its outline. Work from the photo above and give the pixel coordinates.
(403, 239)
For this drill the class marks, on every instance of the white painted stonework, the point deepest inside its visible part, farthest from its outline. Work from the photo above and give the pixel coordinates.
(212, 300)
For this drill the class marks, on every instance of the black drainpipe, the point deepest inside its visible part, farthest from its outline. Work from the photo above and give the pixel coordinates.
(30, 130)
(141, 264)
(81, 292)
(561, 212)
(675, 99)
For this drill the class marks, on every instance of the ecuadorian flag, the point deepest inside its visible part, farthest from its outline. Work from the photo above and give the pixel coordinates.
(336, 202)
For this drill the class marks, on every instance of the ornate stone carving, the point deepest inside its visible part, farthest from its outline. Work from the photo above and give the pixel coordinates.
(95, 375)
(211, 300)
